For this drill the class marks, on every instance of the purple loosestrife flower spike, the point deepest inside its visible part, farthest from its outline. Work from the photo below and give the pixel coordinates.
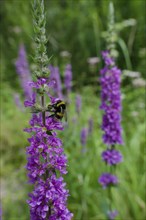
(55, 77)
(111, 122)
(111, 105)
(46, 161)
(68, 78)
(83, 136)
(78, 104)
(23, 71)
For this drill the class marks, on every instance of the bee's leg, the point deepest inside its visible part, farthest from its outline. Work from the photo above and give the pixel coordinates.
(49, 110)
(51, 115)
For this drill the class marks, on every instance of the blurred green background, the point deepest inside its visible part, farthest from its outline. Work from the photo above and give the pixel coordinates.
(77, 27)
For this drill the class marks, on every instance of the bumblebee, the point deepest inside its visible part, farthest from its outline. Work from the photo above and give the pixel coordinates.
(58, 109)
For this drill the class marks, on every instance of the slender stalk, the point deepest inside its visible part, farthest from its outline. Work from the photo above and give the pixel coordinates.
(47, 171)
(110, 188)
(110, 191)
(43, 105)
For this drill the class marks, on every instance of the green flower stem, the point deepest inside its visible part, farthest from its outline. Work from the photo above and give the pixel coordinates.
(43, 105)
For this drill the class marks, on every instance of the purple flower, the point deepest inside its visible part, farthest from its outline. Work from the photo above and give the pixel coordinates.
(46, 157)
(107, 179)
(78, 103)
(52, 124)
(109, 61)
(41, 82)
(111, 102)
(112, 214)
(55, 77)
(49, 197)
(23, 71)
(30, 102)
(68, 78)
(37, 149)
(112, 157)
(83, 136)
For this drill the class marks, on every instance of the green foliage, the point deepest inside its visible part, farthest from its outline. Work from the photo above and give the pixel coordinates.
(75, 26)
(78, 27)
(87, 200)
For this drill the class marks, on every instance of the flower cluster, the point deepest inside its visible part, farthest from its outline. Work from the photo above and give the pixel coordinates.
(111, 101)
(111, 121)
(107, 179)
(48, 200)
(46, 165)
(111, 156)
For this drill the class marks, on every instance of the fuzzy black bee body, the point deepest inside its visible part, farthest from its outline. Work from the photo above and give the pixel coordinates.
(59, 109)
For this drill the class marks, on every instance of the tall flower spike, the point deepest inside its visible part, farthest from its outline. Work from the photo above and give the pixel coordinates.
(55, 77)
(22, 68)
(111, 105)
(83, 136)
(83, 139)
(68, 78)
(46, 159)
(111, 121)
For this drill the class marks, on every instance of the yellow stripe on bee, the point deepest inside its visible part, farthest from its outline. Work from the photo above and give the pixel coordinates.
(60, 103)
(59, 114)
